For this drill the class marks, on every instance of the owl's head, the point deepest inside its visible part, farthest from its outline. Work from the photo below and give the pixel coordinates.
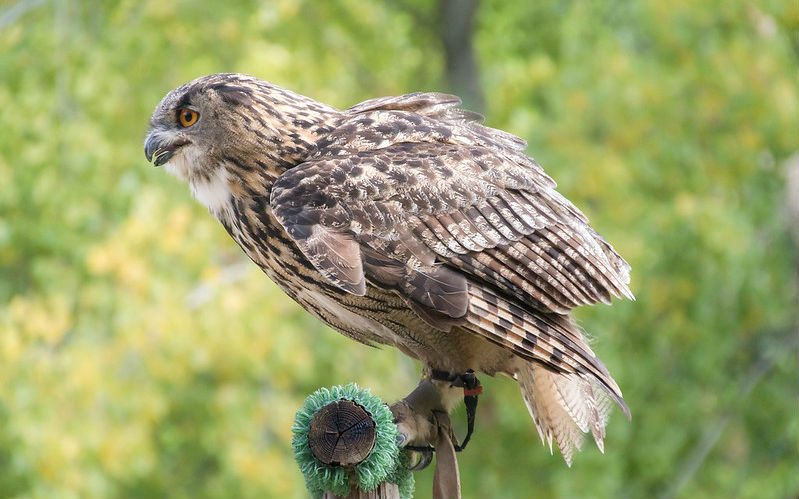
(223, 125)
(201, 122)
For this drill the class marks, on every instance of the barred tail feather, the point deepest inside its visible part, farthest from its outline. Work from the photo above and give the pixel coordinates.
(547, 339)
(564, 407)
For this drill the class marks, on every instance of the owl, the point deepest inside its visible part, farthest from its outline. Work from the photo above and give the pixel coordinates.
(403, 221)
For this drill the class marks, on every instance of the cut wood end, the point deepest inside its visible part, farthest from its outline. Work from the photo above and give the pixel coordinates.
(341, 433)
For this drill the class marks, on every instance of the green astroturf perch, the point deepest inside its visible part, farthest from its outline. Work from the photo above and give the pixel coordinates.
(346, 436)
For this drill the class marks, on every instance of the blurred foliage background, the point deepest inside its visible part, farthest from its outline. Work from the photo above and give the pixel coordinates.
(142, 356)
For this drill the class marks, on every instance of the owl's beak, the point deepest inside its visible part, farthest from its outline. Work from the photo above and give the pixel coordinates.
(159, 151)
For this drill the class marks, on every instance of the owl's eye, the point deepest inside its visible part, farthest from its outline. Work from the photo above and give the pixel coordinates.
(187, 117)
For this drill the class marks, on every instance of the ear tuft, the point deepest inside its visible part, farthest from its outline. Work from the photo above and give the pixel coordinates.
(234, 95)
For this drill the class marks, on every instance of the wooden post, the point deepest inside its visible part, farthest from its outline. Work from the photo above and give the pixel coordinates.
(386, 490)
(347, 443)
(342, 433)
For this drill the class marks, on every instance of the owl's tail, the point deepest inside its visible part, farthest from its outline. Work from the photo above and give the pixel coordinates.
(564, 407)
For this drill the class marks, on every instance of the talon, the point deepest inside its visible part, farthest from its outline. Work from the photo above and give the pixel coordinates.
(420, 459)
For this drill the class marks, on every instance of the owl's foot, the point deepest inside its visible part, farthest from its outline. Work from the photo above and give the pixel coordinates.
(421, 416)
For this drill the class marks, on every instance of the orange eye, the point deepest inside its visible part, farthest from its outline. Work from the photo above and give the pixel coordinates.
(187, 117)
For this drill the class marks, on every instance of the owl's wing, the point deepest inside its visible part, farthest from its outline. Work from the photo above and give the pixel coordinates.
(450, 226)
(425, 203)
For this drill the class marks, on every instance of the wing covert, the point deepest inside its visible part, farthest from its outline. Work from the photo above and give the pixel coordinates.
(423, 204)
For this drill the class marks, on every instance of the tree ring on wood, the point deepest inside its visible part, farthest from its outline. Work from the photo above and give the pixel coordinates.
(341, 433)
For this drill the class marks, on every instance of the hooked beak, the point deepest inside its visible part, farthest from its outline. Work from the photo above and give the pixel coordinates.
(157, 150)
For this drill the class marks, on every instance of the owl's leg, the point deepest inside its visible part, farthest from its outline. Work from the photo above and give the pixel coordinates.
(471, 390)
(416, 415)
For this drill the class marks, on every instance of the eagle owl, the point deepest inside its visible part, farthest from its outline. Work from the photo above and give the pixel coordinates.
(403, 221)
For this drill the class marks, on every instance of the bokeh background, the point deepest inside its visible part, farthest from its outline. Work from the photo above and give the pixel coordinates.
(142, 356)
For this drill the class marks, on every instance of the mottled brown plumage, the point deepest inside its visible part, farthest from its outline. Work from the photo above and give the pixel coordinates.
(403, 221)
